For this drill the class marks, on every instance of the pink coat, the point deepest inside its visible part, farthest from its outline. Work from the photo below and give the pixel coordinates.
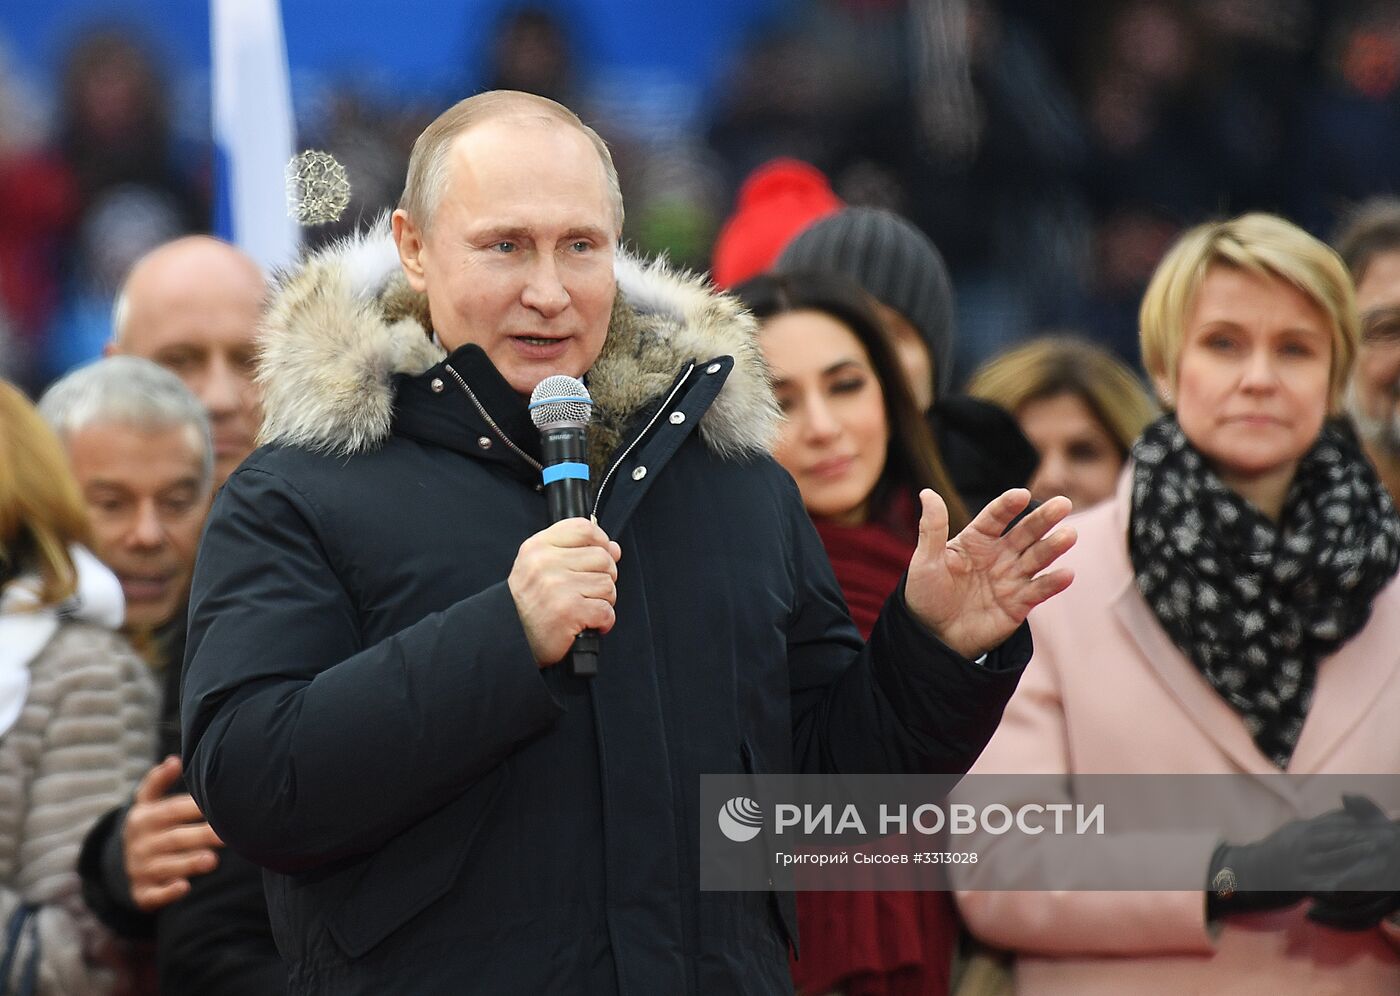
(1108, 692)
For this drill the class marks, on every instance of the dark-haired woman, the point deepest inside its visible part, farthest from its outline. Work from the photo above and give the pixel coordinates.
(860, 451)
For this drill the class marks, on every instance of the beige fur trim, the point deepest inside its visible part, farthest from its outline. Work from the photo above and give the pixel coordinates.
(344, 322)
(327, 352)
(672, 317)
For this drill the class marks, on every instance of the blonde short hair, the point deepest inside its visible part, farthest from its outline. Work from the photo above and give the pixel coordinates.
(1051, 366)
(41, 509)
(1261, 244)
(429, 163)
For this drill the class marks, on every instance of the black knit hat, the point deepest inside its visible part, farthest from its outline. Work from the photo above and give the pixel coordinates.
(896, 263)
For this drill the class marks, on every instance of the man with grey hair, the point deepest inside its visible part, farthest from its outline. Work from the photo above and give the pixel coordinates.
(1369, 244)
(192, 305)
(372, 708)
(140, 447)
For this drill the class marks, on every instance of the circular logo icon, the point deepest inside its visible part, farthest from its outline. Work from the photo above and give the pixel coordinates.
(740, 819)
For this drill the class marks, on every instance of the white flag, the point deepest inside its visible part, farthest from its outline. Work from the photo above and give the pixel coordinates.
(253, 130)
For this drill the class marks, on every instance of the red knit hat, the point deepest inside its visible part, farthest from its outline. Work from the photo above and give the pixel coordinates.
(778, 200)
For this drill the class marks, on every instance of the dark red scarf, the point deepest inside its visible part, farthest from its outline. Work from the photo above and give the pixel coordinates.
(874, 943)
(869, 561)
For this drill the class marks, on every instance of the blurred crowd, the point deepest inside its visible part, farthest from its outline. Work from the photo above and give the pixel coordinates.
(1050, 154)
(965, 230)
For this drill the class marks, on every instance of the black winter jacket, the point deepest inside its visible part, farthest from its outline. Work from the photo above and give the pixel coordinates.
(364, 718)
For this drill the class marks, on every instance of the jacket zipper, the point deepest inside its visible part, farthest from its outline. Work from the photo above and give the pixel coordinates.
(598, 498)
(481, 410)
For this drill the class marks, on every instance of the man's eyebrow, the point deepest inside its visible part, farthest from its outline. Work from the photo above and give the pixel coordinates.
(522, 233)
(592, 232)
(191, 483)
(501, 233)
(1381, 324)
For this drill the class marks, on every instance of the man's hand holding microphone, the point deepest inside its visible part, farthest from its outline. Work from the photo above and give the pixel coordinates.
(564, 582)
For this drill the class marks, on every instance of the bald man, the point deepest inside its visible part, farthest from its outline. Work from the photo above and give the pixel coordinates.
(193, 305)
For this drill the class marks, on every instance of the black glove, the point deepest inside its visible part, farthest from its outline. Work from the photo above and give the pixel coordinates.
(1304, 858)
(1363, 910)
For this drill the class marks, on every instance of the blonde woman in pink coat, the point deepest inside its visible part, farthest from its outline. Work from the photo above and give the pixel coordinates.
(1234, 611)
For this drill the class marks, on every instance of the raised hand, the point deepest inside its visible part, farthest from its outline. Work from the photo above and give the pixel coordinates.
(974, 590)
(165, 840)
(564, 581)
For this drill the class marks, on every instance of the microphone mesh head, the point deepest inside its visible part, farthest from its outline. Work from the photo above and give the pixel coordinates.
(558, 401)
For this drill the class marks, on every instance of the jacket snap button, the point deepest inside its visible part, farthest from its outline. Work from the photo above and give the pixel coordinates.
(436, 385)
(484, 442)
(677, 418)
(712, 368)
(639, 473)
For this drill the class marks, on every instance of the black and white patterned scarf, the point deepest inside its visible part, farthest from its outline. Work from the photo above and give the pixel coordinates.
(1256, 605)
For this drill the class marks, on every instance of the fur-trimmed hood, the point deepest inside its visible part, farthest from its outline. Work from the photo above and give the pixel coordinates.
(344, 322)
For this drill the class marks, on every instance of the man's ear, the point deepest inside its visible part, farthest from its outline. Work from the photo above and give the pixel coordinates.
(409, 240)
(110, 348)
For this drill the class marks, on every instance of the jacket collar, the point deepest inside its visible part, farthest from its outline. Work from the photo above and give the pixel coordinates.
(434, 408)
(26, 626)
(1349, 682)
(343, 329)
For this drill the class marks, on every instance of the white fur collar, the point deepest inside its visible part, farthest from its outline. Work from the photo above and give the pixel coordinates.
(344, 322)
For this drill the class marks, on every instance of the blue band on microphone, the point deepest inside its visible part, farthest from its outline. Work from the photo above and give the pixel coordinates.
(562, 399)
(565, 471)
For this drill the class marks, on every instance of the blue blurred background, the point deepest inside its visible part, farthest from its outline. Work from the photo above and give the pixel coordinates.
(409, 48)
(1051, 150)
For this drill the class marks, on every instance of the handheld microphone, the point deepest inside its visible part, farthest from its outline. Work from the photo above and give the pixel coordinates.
(561, 408)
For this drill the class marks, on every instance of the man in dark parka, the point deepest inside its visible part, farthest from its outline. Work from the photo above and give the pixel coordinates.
(371, 710)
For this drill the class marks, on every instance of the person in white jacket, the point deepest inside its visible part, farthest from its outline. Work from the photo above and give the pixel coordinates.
(77, 715)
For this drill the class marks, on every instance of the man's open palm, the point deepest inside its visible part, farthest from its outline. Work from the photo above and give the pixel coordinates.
(974, 590)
